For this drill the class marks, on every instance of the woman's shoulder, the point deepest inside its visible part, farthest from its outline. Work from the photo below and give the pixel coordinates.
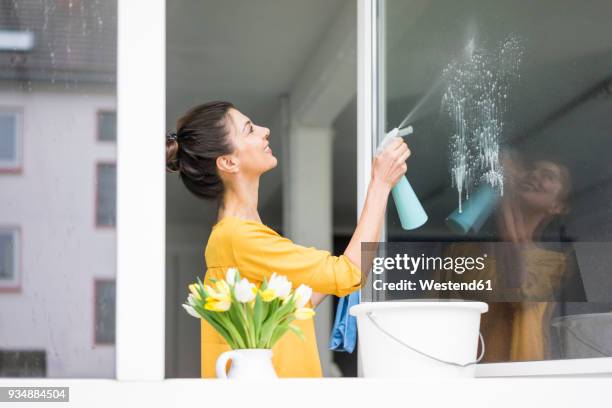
(236, 230)
(232, 236)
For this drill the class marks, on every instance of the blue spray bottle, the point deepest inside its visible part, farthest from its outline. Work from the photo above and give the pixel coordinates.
(476, 210)
(409, 208)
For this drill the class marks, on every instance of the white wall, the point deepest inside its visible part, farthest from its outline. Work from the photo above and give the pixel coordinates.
(53, 201)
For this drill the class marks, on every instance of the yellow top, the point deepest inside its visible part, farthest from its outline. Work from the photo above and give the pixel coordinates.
(258, 251)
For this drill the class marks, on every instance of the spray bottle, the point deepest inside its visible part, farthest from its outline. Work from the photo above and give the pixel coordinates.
(409, 208)
(476, 210)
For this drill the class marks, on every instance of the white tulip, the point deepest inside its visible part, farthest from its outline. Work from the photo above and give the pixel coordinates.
(302, 295)
(230, 276)
(191, 311)
(280, 285)
(244, 291)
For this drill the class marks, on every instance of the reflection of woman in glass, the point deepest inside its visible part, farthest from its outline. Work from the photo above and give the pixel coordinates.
(220, 153)
(538, 269)
(532, 268)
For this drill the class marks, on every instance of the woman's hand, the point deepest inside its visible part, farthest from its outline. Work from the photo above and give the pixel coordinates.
(390, 164)
(387, 169)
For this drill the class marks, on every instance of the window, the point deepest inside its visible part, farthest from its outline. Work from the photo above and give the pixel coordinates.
(106, 198)
(104, 330)
(23, 363)
(9, 258)
(10, 140)
(498, 112)
(107, 126)
(51, 93)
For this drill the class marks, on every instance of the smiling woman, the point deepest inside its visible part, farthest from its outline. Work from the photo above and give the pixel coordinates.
(220, 153)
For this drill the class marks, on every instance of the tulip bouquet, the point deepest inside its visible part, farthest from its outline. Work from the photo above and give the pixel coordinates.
(247, 316)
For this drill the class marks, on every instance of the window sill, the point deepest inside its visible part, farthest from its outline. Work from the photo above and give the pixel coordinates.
(559, 392)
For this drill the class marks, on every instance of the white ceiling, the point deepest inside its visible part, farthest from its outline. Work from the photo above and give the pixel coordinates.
(249, 52)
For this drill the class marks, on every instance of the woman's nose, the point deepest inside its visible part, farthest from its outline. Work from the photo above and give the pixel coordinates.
(266, 133)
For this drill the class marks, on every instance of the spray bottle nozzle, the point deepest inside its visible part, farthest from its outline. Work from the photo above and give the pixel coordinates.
(405, 131)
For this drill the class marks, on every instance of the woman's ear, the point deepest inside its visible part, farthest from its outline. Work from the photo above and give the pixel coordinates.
(228, 163)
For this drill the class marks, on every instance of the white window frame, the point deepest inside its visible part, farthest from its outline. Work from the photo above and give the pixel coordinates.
(14, 166)
(141, 201)
(13, 285)
(369, 67)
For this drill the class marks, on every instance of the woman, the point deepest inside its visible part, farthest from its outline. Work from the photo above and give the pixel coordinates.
(220, 154)
(541, 269)
(535, 270)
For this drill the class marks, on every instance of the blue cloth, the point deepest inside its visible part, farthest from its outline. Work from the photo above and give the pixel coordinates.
(344, 333)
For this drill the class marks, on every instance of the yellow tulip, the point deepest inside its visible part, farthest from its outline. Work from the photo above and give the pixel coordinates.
(304, 313)
(193, 289)
(268, 295)
(217, 305)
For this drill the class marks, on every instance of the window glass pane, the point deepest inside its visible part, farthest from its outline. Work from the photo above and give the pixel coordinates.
(8, 265)
(510, 106)
(105, 312)
(107, 122)
(8, 137)
(56, 75)
(107, 194)
(23, 363)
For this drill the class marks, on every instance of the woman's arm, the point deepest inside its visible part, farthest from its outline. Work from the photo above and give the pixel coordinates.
(387, 169)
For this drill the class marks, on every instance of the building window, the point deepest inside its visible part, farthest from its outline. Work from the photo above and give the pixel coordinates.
(9, 258)
(107, 126)
(106, 197)
(10, 141)
(23, 363)
(104, 330)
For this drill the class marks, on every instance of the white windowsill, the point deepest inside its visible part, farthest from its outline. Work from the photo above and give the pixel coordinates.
(339, 392)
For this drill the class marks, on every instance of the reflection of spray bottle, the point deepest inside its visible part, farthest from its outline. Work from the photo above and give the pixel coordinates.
(409, 208)
(476, 210)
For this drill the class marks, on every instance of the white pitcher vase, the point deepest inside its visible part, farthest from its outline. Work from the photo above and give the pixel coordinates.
(246, 363)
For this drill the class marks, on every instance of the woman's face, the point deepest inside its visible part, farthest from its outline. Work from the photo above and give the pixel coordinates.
(542, 187)
(251, 145)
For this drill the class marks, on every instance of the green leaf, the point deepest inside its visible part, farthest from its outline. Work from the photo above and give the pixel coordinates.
(250, 324)
(231, 328)
(236, 318)
(258, 316)
(211, 318)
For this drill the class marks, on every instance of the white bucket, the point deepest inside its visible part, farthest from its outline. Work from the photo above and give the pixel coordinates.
(419, 338)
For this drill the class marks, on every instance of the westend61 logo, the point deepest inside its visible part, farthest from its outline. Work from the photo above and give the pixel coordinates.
(411, 264)
(405, 263)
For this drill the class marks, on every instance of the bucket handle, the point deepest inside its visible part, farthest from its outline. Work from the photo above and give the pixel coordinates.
(481, 340)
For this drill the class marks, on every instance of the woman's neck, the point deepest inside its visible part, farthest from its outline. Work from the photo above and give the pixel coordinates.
(240, 200)
(534, 223)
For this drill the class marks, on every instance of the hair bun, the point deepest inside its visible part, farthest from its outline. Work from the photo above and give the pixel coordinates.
(172, 162)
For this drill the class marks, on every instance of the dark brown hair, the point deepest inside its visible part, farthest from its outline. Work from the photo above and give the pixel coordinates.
(201, 137)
